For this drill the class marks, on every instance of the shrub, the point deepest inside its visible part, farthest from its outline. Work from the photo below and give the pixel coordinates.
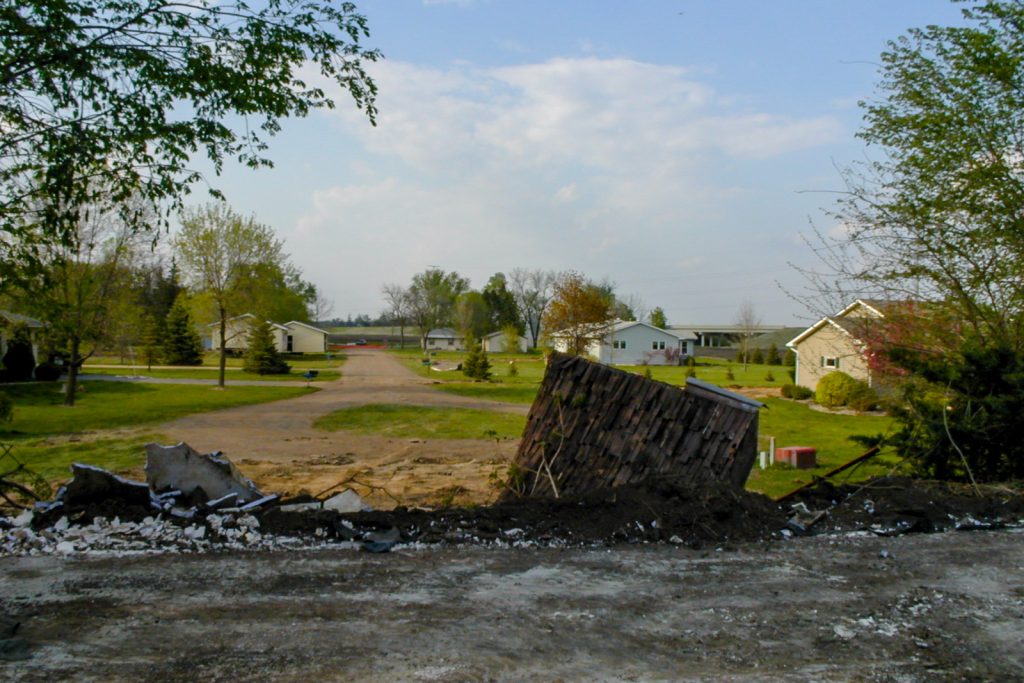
(839, 389)
(728, 374)
(739, 356)
(513, 369)
(772, 356)
(758, 357)
(769, 377)
(19, 361)
(691, 372)
(647, 372)
(789, 358)
(796, 392)
(47, 372)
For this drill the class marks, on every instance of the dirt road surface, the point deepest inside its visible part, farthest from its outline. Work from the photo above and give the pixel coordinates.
(940, 607)
(276, 445)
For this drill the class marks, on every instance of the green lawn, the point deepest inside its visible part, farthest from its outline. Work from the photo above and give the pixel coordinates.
(402, 421)
(520, 389)
(714, 370)
(211, 373)
(39, 409)
(51, 457)
(305, 361)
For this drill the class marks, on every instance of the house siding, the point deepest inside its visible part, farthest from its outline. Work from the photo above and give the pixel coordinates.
(828, 342)
(634, 346)
(305, 340)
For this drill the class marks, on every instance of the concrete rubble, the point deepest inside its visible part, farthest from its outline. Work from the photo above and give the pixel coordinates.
(199, 477)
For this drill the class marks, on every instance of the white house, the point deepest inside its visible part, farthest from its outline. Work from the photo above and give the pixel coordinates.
(496, 342)
(303, 338)
(236, 334)
(833, 343)
(8, 320)
(445, 339)
(634, 343)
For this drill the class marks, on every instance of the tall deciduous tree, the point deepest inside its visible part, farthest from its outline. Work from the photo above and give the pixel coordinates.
(432, 297)
(501, 304)
(222, 255)
(580, 312)
(87, 275)
(938, 219)
(103, 100)
(532, 290)
(472, 315)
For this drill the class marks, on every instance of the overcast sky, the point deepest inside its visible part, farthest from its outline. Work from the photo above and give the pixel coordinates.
(678, 148)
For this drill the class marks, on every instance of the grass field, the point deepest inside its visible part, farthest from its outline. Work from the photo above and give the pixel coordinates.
(211, 373)
(403, 421)
(792, 423)
(298, 361)
(48, 437)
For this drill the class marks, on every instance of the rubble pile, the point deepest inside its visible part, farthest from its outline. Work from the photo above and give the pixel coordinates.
(202, 504)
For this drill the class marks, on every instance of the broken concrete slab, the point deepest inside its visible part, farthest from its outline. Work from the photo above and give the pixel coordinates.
(200, 477)
(91, 485)
(345, 502)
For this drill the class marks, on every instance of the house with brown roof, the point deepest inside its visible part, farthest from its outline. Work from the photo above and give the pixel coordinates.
(835, 343)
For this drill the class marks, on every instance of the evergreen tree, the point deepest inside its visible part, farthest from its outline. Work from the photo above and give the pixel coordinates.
(758, 357)
(182, 345)
(789, 359)
(262, 356)
(150, 341)
(772, 357)
(476, 365)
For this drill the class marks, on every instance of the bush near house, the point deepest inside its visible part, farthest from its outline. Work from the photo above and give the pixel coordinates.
(838, 389)
(796, 392)
(262, 356)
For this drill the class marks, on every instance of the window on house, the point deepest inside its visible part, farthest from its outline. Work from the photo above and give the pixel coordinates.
(658, 345)
(830, 362)
(619, 344)
(451, 342)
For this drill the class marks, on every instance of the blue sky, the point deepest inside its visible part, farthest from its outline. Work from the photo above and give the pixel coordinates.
(678, 148)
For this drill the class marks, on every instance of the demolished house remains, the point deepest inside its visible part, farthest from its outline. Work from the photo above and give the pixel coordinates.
(595, 427)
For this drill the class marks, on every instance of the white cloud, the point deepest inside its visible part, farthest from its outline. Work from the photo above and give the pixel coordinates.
(589, 163)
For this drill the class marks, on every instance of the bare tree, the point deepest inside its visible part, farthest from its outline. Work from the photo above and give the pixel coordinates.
(748, 321)
(320, 307)
(532, 290)
(397, 298)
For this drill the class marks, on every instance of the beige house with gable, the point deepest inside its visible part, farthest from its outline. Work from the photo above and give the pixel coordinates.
(292, 337)
(832, 344)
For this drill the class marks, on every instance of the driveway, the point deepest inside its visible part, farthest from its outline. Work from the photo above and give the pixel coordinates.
(276, 444)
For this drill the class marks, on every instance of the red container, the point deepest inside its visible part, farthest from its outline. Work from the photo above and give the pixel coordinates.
(801, 457)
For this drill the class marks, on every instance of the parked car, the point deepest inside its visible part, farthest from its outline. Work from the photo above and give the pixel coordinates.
(360, 342)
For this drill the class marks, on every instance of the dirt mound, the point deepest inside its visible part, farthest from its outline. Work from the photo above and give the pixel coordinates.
(656, 511)
(895, 505)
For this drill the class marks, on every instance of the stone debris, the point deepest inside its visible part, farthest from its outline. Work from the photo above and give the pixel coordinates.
(346, 501)
(200, 477)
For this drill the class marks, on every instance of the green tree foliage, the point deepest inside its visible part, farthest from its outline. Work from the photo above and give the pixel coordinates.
(532, 290)
(6, 408)
(181, 343)
(771, 356)
(149, 341)
(967, 414)
(476, 364)
(261, 354)
(228, 258)
(937, 218)
(501, 305)
(510, 339)
(658, 318)
(472, 316)
(757, 357)
(102, 100)
(789, 358)
(580, 312)
(432, 297)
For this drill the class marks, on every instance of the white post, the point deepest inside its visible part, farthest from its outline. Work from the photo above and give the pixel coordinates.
(771, 449)
(764, 460)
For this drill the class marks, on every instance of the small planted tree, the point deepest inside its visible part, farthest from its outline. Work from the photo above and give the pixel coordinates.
(182, 345)
(771, 357)
(757, 358)
(476, 365)
(262, 356)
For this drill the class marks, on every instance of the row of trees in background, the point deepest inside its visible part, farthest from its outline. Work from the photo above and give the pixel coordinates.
(524, 302)
(104, 288)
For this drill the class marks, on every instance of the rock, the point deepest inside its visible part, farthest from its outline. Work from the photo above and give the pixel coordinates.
(24, 519)
(346, 501)
(201, 477)
(300, 507)
(95, 485)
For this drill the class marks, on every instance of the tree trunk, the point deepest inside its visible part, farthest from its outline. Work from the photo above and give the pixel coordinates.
(223, 347)
(401, 334)
(71, 386)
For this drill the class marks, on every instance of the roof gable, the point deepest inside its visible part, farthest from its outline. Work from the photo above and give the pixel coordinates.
(297, 323)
